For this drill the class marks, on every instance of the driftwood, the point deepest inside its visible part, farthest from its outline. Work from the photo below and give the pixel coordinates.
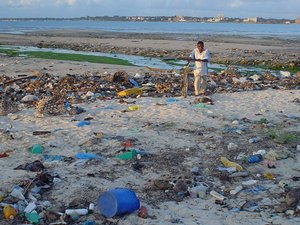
(161, 71)
(18, 79)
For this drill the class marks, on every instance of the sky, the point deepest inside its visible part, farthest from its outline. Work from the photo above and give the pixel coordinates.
(288, 9)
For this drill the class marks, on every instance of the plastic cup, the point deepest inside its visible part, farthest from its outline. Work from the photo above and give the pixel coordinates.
(118, 201)
(36, 149)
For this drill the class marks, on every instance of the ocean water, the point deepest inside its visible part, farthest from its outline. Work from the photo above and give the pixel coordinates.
(285, 31)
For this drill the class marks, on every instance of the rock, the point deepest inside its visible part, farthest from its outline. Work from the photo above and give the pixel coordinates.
(281, 208)
(89, 94)
(290, 212)
(255, 77)
(29, 98)
(235, 122)
(138, 76)
(120, 76)
(292, 197)
(285, 74)
(298, 148)
(232, 147)
(180, 186)
(162, 184)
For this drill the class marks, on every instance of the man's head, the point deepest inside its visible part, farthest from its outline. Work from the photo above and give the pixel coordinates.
(200, 46)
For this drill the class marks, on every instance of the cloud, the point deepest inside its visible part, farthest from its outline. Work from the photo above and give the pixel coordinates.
(22, 2)
(200, 8)
(68, 2)
(236, 3)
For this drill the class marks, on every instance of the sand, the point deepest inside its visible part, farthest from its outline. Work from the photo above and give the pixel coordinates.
(176, 135)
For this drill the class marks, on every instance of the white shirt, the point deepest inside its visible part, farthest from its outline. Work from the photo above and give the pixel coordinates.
(201, 66)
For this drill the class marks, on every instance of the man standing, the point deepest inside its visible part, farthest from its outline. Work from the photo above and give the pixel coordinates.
(201, 57)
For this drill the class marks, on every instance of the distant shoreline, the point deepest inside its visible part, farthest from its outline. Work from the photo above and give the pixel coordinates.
(181, 19)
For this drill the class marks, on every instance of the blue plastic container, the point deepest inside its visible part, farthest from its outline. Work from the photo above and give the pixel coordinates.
(255, 158)
(118, 201)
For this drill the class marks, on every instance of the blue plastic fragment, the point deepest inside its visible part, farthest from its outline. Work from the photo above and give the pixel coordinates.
(83, 123)
(86, 156)
(133, 82)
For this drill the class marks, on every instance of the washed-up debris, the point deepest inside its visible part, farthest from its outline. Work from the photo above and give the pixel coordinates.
(44, 132)
(7, 105)
(35, 166)
(3, 155)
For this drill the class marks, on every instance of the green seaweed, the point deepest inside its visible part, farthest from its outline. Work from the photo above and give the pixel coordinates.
(282, 137)
(9, 52)
(77, 57)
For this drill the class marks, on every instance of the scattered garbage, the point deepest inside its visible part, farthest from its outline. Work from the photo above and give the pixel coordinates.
(225, 182)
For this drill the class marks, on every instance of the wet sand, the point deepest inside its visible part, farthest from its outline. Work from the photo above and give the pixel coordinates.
(224, 49)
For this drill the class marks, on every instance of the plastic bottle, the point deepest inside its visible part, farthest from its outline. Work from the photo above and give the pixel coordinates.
(254, 140)
(133, 107)
(80, 212)
(130, 91)
(249, 182)
(228, 163)
(217, 195)
(30, 207)
(269, 176)
(255, 158)
(17, 193)
(9, 212)
(134, 83)
(91, 207)
(236, 190)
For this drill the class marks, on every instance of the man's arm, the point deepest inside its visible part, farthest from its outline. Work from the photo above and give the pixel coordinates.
(201, 60)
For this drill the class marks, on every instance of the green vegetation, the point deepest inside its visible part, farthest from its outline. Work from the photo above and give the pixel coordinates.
(262, 121)
(282, 137)
(9, 52)
(294, 69)
(77, 57)
(67, 56)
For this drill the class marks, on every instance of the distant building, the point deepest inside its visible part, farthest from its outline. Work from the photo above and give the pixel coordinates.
(250, 20)
(179, 19)
(220, 17)
(297, 21)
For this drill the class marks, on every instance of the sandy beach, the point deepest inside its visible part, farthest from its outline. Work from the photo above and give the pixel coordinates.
(180, 139)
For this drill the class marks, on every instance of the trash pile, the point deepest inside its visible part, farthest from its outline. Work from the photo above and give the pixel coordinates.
(52, 94)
